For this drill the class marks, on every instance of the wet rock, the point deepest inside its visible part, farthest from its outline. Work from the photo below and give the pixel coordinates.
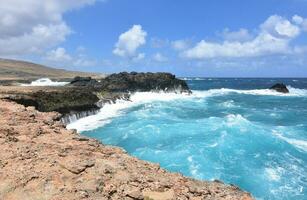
(280, 87)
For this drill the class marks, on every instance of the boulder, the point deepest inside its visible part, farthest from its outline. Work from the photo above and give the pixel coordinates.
(280, 87)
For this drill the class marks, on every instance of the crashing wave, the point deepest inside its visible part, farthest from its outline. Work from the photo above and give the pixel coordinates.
(264, 92)
(300, 144)
(45, 82)
(112, 110)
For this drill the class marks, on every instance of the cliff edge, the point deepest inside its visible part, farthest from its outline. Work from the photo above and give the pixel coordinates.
(40, 159)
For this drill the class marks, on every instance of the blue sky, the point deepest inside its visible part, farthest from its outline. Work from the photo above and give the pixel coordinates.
(220, 38)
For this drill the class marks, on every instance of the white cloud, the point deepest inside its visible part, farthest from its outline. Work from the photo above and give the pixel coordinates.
(300, 21)
(61, 57)
(240, 35)
(159, 57)
(31, 26)
(280, 27)
(297, 19)
(139, 57)
(58, 55)
(274, 37)
(180, 44)
(129, 42)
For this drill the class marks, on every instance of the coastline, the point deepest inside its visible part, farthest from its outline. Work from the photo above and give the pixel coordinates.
(42, 159)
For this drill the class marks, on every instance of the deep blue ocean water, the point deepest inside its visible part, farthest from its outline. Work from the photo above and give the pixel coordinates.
(234, 130)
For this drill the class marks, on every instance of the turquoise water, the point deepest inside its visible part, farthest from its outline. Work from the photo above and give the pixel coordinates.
(233, 130)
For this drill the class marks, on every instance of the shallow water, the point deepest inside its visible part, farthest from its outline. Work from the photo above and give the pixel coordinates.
(233, 130)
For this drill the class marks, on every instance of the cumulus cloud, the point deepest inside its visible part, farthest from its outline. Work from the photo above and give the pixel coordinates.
(300, 21)
(129, 41)
(274, 37)
(159, 57)
(240, 35)
(60, 56)
(32, 26)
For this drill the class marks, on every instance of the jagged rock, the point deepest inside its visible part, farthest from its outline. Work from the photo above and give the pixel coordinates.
(85, 96)
(62, 166)
(124, 82)
(280, 87)
(83, 81)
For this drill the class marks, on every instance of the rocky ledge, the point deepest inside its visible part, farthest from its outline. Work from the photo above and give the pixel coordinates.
(40, 159)
(85, 95)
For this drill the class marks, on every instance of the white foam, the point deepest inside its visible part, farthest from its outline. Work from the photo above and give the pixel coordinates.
(262, 92)
(45, 82)
(193, 167)
(300, 144)
(195, 79)
(228, 104)
(109, 111)
(272, 174)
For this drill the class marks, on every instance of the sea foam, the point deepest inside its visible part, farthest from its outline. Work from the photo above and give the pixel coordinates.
(109, 111)
(45, 82)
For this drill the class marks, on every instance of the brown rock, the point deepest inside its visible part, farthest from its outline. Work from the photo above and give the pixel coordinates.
(40, 159)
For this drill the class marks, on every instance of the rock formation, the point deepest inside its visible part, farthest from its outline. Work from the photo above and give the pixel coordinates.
(132, 82)
(280, 87)
(83, 81)
(40, 159)
(87, 95)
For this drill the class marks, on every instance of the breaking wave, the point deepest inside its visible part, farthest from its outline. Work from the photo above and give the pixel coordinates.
(109, 111)
(45, 82)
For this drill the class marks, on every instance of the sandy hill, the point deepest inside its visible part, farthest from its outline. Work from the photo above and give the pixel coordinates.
(15, 70)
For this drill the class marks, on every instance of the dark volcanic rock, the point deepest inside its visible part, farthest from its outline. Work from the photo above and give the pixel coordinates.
(85, 95)
(280, 87)
(83, 81)
(132, 82)
(64, 100)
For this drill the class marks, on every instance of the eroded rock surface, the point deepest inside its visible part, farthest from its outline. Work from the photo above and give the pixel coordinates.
(40, 159)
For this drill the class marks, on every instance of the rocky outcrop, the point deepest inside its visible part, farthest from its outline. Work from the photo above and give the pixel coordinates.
(83, 81)
(40, 159)
(85, 95)
(132, 82)
(280, 87)
(63, 100)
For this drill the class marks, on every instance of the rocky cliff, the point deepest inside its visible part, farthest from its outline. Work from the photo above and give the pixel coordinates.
(85, 94)
(40, 159)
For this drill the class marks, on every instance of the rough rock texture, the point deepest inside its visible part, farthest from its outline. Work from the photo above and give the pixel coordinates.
(85, 93)
(132, 82)
(60, 99)
(280, 87)
(40, 159)
(83, 81)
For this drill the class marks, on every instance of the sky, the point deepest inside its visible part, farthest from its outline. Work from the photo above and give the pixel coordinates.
(201, 38)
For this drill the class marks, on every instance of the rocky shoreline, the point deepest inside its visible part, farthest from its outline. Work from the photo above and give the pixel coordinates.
(41, 159)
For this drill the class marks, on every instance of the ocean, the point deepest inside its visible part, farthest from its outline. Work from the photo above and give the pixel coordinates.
(231, 129)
